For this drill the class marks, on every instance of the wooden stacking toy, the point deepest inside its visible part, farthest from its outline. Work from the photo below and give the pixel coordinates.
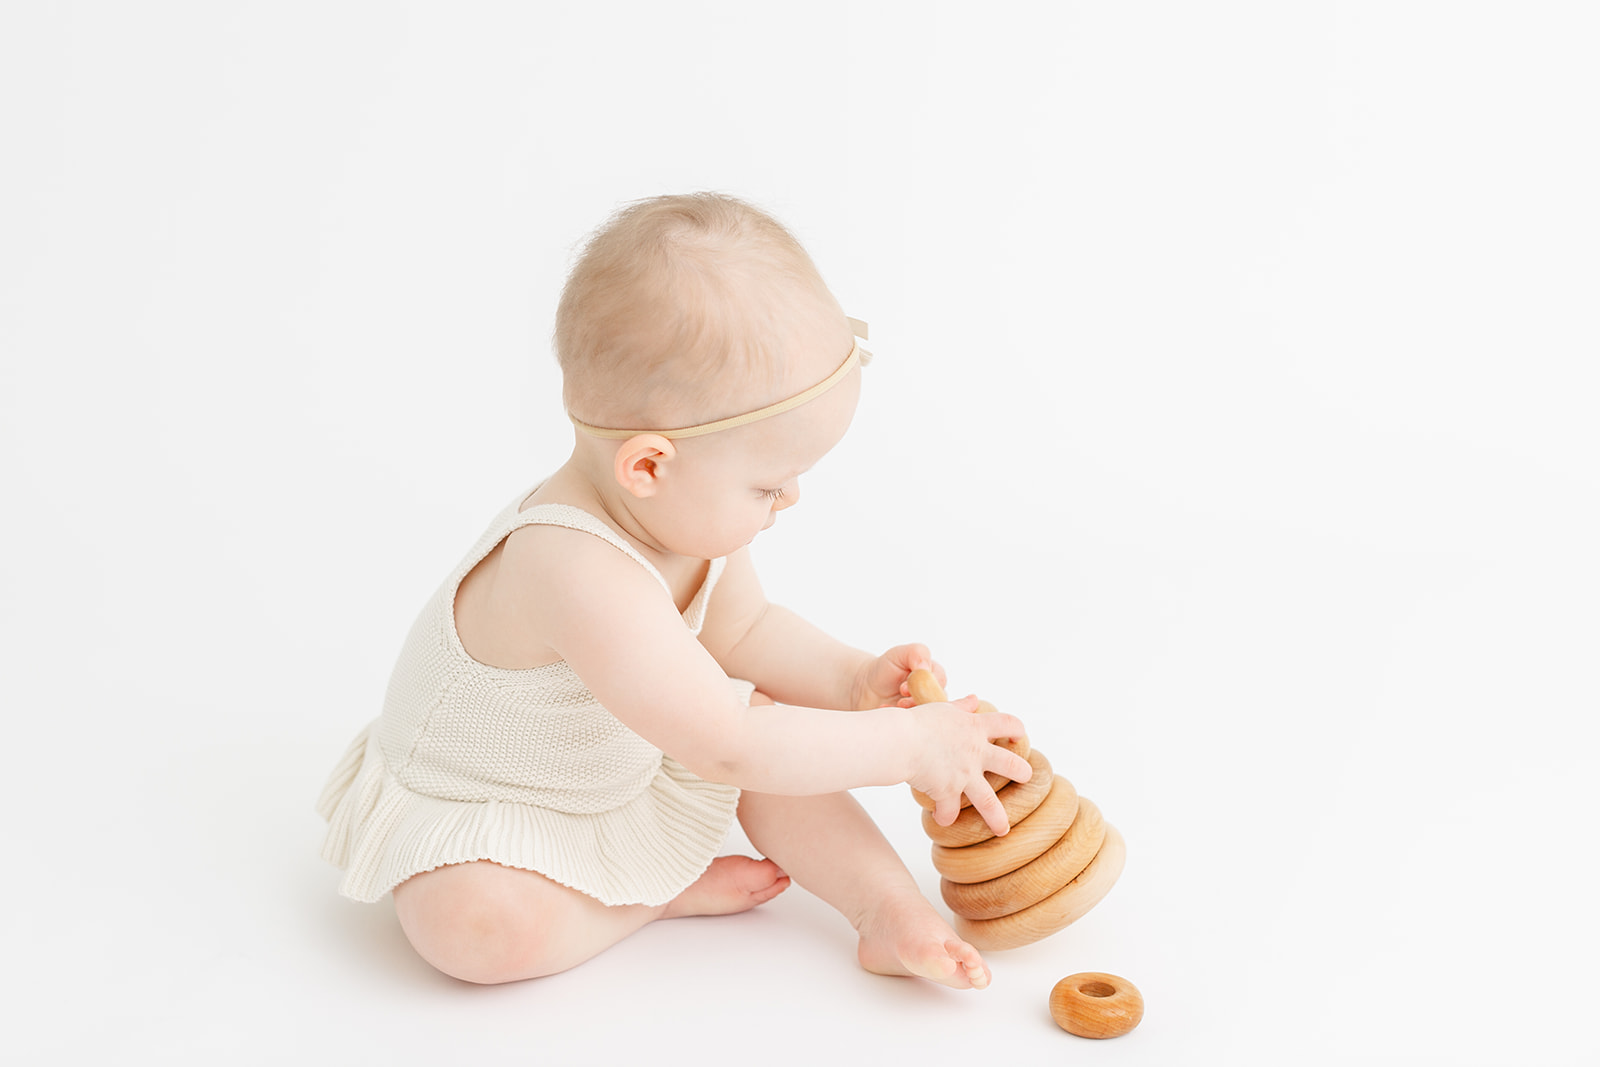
(1056, 862)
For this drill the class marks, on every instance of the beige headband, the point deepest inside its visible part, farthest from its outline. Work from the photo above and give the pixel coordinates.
(857, 355)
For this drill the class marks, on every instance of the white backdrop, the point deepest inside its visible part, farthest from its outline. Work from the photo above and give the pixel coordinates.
(1233, 422)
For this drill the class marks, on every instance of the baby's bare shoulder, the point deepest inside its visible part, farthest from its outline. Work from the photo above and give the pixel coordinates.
(555, 559)
(513, 609)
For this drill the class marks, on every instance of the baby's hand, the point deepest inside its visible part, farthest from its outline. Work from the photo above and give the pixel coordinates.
(954, 748)
(882, 683)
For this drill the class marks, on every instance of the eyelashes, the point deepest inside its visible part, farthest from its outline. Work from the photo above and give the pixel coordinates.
(773, 494)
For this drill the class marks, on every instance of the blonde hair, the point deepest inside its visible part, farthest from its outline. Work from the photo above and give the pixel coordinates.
(679, 307)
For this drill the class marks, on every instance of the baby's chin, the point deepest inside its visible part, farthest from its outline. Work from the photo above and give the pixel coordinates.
(709, 550)
(752, 538)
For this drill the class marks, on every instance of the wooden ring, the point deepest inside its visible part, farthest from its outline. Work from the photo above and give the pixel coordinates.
(1061, 908)
(1031, 883)
(1096, 1004)
(1019, 799)
(1025, 842)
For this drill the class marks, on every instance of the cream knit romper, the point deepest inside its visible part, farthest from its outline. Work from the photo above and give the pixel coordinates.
(522, 767)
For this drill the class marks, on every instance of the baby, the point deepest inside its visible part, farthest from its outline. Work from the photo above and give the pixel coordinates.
(589, 699)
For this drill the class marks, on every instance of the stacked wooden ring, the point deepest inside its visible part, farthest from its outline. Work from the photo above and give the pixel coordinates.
(1056, 862)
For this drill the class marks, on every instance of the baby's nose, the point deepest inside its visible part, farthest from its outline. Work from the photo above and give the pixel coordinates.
(791, 495)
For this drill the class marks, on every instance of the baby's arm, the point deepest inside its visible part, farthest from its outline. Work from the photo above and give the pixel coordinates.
(786, 657)
(793, 661)
(608, 618)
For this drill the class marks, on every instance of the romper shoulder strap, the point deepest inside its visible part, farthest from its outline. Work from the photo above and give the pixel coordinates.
(577, 519)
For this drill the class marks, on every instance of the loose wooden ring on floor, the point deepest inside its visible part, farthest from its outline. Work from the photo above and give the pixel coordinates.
(1025, 842)
(1019, 799)
(1096, 1004)
(1031, 883)
(1061, 908)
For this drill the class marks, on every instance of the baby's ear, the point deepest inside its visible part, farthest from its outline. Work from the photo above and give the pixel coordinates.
(638, 462)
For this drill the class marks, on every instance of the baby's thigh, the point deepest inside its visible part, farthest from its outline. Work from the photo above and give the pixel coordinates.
(478, 921)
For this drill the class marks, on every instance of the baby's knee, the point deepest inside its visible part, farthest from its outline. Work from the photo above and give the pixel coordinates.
(470, 925)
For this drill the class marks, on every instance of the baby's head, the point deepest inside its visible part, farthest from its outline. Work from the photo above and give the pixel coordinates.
(703, 315)
(686, 309)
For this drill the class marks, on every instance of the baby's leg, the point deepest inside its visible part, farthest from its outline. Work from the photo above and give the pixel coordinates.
(482, 922)
(833, 848)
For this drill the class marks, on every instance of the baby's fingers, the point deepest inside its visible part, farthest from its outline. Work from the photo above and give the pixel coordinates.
(945, 811)
(988, 806)
(999, 724)
(1008, 733)
(1008, 765)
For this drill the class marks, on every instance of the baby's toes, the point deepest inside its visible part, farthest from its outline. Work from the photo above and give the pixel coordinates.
(970, 961)
(766, 893)
(759, 876)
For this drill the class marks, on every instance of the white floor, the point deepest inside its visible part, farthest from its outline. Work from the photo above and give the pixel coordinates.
(1232, 422)
(1359, 829)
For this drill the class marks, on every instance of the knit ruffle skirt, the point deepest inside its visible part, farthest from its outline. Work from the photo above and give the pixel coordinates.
(646, 851)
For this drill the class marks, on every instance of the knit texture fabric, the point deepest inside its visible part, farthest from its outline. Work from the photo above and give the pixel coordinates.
(522, 767)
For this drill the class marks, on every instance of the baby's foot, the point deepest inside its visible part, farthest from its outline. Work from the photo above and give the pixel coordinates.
(731, 884)
(906, 936)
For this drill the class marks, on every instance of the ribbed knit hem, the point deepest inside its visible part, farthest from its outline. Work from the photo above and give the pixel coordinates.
(645, 852)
